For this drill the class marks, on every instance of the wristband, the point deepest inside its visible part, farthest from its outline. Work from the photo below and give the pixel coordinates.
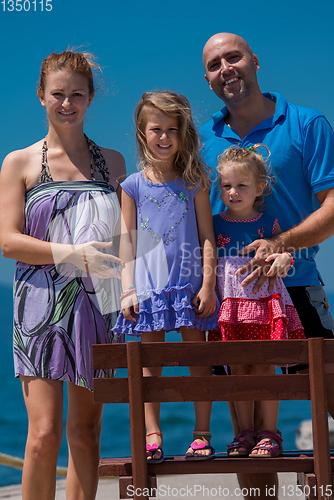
(291, 256)
(127, 292)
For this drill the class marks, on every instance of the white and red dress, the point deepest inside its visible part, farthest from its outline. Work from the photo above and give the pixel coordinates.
(245, 315)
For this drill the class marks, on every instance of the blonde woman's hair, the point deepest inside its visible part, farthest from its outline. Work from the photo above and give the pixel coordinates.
(81, 63)
(252, 163)
(188, 163)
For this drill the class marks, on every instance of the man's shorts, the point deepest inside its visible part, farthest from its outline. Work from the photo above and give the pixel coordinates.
(312, 306)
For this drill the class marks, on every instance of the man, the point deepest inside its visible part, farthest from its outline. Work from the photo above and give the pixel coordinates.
(301, 143)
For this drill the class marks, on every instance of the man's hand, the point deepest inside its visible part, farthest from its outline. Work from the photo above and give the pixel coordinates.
(258, 266)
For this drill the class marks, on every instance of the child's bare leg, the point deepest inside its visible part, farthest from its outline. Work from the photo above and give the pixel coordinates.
(202, 408)
(152, 410)
(244, 409)
(269, 409)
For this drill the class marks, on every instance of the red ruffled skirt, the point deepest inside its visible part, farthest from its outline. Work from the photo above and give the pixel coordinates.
(267, 318)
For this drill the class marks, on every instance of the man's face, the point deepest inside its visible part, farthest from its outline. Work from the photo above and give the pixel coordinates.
(230, 67)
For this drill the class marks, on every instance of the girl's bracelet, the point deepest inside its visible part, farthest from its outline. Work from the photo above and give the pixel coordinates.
(292, 259)
(127, 292)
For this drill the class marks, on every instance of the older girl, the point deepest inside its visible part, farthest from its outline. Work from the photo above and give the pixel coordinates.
(173, 284)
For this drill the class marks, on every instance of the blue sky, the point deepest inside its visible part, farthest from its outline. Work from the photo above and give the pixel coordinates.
(144, 45)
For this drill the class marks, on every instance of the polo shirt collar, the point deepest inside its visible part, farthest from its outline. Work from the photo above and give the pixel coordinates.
(281, 108)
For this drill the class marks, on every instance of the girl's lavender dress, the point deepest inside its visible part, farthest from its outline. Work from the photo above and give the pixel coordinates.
(168, 267)
(60, 311)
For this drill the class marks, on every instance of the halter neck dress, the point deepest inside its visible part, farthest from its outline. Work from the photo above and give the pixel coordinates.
(59, 310)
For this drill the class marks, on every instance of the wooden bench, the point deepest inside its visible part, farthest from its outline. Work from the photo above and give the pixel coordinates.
(316, 469)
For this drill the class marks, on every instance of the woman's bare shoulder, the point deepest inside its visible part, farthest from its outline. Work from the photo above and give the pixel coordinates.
(25, 155)
(24, 163)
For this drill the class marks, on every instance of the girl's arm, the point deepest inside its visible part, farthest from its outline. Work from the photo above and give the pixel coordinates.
(127, 253)
(19, 246)
(282, 261)
(205, 298)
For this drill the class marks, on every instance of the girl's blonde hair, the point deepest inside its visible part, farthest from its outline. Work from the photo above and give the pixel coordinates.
(188, 163)
(250, 161)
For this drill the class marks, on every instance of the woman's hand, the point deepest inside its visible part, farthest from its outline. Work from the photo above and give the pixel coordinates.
(88, 258)
(204, 302)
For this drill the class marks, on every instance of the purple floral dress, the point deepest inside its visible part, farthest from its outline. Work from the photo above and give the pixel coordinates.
(59, 310)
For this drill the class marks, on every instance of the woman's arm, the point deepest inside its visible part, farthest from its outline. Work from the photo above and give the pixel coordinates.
(19, 246)
(205, 298)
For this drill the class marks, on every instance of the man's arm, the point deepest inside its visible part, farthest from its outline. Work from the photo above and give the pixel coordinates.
(312, 231)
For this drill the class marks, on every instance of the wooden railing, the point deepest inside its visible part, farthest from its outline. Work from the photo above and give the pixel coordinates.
(135, 389)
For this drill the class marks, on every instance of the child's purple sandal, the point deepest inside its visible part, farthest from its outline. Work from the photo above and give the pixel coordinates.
(233, 449)
(274, 449)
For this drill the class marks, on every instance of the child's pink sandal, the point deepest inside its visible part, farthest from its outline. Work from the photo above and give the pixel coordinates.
(152, 448)
(274, 449)
(233, 449)
(200, 446)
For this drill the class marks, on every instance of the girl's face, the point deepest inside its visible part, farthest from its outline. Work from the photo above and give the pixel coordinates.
(66, 98)
(161, 134)
(239, 191)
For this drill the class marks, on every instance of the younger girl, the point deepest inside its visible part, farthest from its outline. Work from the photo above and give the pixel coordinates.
(244, 314)
(167, 202)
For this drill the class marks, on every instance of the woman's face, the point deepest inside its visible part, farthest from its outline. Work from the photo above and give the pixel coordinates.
(66, 98)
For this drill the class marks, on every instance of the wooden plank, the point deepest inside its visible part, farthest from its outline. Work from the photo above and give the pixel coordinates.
(329, 379)
(170, 466)
(109, 356)
(280, 352)
(137, 419)
(322, 466)
(328, 350)
(111, 467)
(227, 388)
(123, 467)
(110, 390)
(222, 389)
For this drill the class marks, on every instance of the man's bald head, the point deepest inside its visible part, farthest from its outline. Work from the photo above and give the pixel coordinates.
(230, 67)
(224, 39)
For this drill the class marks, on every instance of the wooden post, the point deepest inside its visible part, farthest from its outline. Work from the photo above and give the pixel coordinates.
(318, 393)
(137, 420)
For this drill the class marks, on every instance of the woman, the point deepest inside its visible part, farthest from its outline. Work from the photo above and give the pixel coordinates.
(58, 214)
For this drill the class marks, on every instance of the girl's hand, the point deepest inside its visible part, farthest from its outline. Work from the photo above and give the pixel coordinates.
(281, 265)
(130, 307)
(88, 258)
(204, 302)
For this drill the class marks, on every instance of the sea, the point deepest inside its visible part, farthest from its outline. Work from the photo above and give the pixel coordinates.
(177, 419)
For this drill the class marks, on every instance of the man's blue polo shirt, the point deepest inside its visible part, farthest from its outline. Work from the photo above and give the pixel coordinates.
(301, 142)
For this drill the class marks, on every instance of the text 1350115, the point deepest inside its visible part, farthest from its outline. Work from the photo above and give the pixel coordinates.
(26, 5)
